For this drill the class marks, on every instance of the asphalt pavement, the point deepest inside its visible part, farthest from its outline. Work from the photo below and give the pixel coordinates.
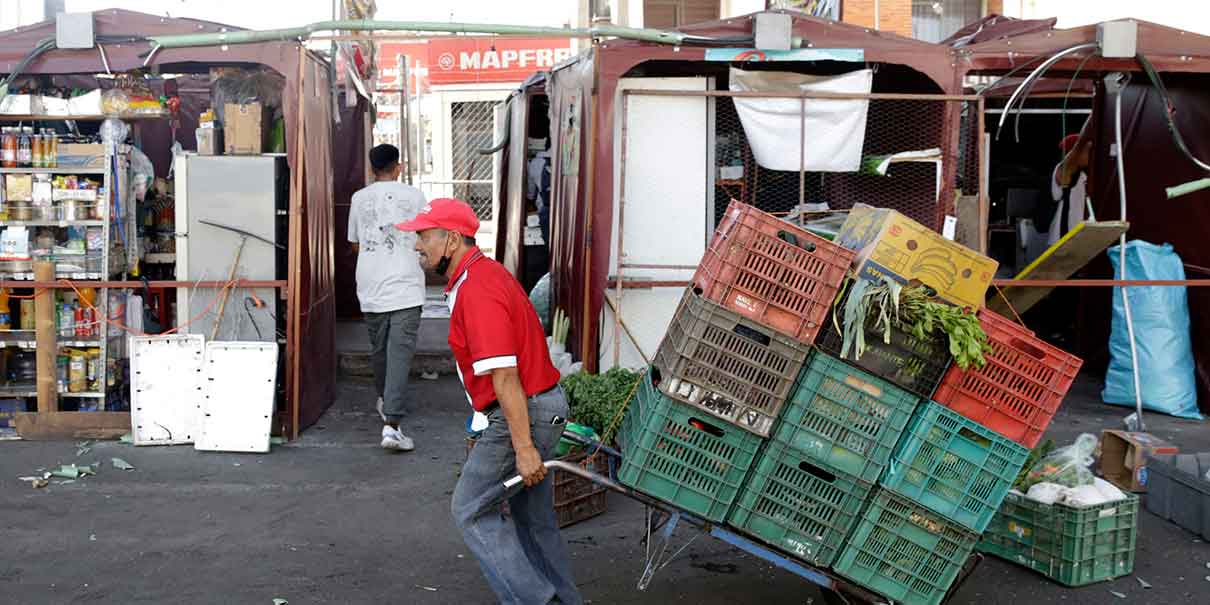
(332, 518)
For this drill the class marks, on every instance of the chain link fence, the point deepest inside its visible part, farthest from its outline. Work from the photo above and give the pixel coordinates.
(917, 155)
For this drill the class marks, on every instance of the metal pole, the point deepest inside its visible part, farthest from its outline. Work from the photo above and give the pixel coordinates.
(617, 309)
(401, 63)
(802, 157)
(419, 119)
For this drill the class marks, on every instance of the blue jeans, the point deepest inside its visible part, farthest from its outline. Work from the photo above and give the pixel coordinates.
(523, 557)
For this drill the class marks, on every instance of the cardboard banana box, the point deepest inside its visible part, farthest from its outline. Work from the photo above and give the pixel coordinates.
(889, 243)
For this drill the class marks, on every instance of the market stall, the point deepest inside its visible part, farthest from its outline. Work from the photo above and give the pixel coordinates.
(140, 129)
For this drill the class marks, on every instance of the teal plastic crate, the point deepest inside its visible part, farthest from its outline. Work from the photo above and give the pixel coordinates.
(1073, 546)
(801, 508)
(845, 418)
(954, 466)
(683, 455)
(904, 551)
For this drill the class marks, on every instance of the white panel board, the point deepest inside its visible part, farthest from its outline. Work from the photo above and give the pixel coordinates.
(239, 383)
(165, 382)
(647, 314)
(664, 197)
(663, 203)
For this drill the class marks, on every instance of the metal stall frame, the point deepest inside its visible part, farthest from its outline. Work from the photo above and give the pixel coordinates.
(950, 126)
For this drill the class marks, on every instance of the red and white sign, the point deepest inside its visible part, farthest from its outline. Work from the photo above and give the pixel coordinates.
(474, 59)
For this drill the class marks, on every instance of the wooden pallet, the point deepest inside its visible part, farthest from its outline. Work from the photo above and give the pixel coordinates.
(1060, 261)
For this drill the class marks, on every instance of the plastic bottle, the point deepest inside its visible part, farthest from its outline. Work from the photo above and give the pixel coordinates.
(67, 318)
(8, 148)
(77, 372)
(61, 363)
(52, 149)
(25, 153)
(36, 151)
(89, 327)
(93, 371)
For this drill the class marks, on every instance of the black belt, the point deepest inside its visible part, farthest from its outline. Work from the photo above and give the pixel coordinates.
(491, 407)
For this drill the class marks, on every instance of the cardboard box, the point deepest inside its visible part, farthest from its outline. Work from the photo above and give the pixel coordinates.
(19, 187)
(209, 141)
(889, 243)
(1124, 457)
(89, 156)
(9, 408)
(243, 132)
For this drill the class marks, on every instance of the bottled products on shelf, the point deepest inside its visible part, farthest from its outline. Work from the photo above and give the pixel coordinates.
(25, 153)
(8, 148)
(77, 372)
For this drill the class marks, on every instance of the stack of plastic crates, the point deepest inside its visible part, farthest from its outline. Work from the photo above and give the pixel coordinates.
(834, 438)
(681, 455)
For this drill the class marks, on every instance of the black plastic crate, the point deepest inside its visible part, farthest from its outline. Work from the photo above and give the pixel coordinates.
(915, 364)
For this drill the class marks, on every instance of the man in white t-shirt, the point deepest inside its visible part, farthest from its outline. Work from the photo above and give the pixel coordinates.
(390, 284)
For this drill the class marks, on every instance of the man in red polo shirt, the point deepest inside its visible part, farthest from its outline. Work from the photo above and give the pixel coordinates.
(500, 351)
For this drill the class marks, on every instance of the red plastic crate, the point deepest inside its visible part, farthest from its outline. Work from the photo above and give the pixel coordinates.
(1019, 390)
(772, 271)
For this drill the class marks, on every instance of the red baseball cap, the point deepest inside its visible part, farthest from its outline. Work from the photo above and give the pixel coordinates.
(1069, 142)
(444, 213)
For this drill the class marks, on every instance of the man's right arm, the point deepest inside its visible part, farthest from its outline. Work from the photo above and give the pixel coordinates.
(352, 234)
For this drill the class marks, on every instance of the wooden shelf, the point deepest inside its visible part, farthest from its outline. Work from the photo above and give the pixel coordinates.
(4, 117)
(57, 170)
(84, 223)
(78, 276)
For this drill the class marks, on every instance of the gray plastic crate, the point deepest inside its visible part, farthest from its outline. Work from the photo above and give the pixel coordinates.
(1177, 490)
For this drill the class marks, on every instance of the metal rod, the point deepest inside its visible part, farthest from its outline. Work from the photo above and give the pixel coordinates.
(650, 266)
(295, 33)
(875, 96)
(617, 306)
(802, 155)
(1059, 283)
(631, 284)
(1041, 111)
(67, 284)
(243, 233)
(617, 338)
(982, 145)
(405, 115)
(589, 331)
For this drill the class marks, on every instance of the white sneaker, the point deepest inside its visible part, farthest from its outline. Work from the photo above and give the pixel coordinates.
(378, 406)
(392, 439)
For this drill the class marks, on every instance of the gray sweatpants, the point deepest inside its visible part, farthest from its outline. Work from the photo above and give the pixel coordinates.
(392, 345)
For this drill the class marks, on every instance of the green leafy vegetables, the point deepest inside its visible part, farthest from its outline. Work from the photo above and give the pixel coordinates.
(596, 399)
(883, 306)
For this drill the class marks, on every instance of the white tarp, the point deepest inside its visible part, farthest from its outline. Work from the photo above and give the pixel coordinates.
(835, 128)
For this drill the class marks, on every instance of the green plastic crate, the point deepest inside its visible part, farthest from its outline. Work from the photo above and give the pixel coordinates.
(801, 508)
(1073, 546)
(954, 466)
(845, 418)
(683, 455)
(904, 551)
